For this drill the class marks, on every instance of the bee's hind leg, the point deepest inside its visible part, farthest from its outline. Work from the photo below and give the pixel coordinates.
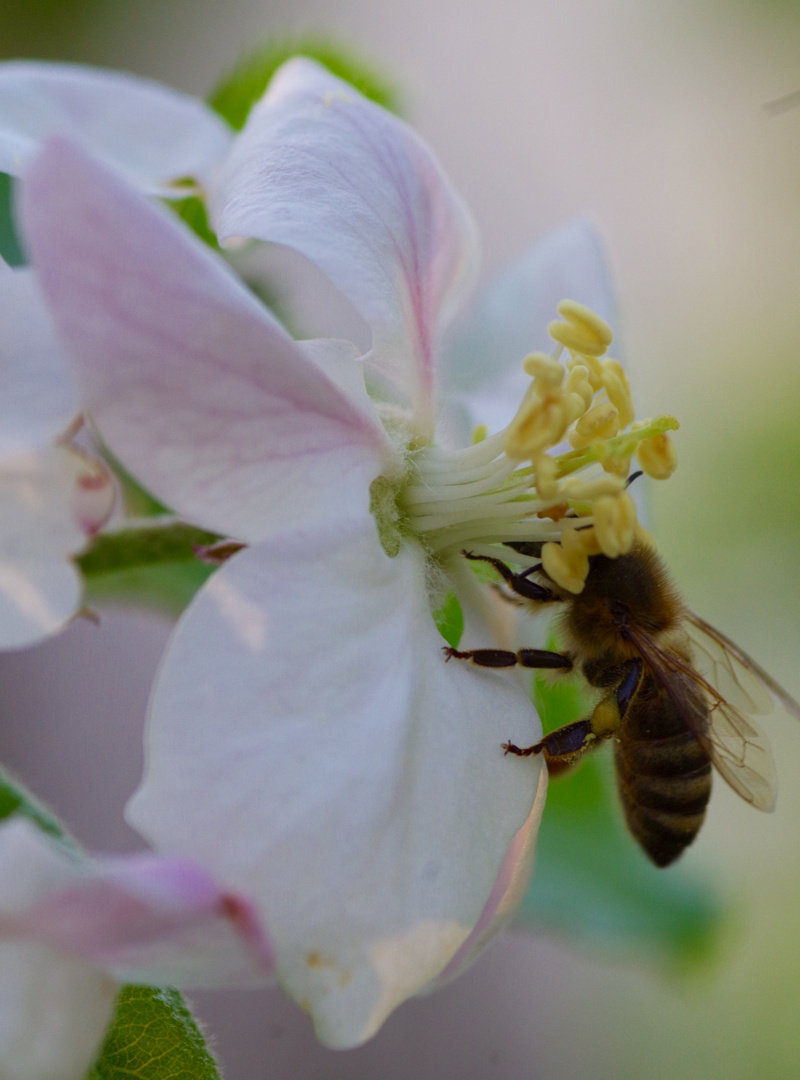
(566, 745)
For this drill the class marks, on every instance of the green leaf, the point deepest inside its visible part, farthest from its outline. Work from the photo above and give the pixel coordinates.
(155, 565)
(10, 248)
(591, 881)
(153, 1037)
(238, 91)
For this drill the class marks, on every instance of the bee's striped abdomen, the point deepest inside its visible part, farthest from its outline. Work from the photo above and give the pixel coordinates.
(664, 774)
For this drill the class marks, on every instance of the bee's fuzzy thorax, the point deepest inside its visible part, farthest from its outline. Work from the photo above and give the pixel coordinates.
(634, 588)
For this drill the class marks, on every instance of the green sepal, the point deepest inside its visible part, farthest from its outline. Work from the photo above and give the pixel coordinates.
(10, 248)
(449, 620)
(154, 1036)
(192, 212)
(241, 88)
(149, 566)
(591, 882)
(16, 799)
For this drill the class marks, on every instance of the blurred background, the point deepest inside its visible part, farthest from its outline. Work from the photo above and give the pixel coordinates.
(649, 116)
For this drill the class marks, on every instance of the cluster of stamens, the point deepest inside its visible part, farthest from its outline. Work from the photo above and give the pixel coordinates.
(520, 484)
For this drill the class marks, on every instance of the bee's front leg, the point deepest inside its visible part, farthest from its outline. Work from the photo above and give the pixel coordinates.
(518, 583)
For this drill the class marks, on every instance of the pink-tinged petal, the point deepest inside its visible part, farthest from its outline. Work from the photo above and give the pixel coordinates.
(153, 921)
(153, 134)
(309, 743)
(54, 1010)
(482, 356)
(326, 172)
(192, 384)
(94, 495)
(38, 395)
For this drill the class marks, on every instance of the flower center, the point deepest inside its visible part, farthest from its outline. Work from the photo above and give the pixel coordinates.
(556, 476)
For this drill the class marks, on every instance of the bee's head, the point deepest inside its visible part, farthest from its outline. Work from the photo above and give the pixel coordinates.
(632, 590)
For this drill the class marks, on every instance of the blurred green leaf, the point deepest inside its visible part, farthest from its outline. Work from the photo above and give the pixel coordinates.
(154, 1037)
(237, 92)
(10, 248)
(153, 566)
(591, 881)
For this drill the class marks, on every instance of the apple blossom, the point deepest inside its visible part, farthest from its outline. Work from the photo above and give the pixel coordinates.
(155, 135)
(52, 494)
(307, 741)
(72, 928)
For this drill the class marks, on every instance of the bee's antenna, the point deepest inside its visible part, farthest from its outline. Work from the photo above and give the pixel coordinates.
(632, 477)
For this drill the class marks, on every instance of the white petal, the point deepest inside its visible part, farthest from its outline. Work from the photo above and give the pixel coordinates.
(38, 396)
(321, 169)
(193, 385)
(150, 132)
(509, 888)
(37, 599)
(482, 357)
(308, 743)
(54, 1012)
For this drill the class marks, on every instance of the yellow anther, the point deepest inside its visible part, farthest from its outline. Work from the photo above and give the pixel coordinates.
(618, 389)
(588, 540)
(657, 456)
(582, 331)
(617, 466)
(479, 434)
(574, 407)
(567, 563)
(615, 523)
(578, 382)
(540, 423)
(545, 470)
(587, 490)
(547, 372)
(594, 368)
(600, 422)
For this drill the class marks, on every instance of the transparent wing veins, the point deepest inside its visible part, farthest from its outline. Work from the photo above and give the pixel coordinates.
(734, 742)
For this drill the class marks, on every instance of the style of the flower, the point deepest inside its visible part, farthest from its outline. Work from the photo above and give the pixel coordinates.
(53, 495)
(73, 928)
(154, 135)
(307, 741)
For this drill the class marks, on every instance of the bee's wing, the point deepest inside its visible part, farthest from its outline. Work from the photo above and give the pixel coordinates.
(738, 677)
(741, 753)
(734, 742)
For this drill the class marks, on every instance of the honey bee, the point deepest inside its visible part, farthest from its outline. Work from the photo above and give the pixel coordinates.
(676, 695)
